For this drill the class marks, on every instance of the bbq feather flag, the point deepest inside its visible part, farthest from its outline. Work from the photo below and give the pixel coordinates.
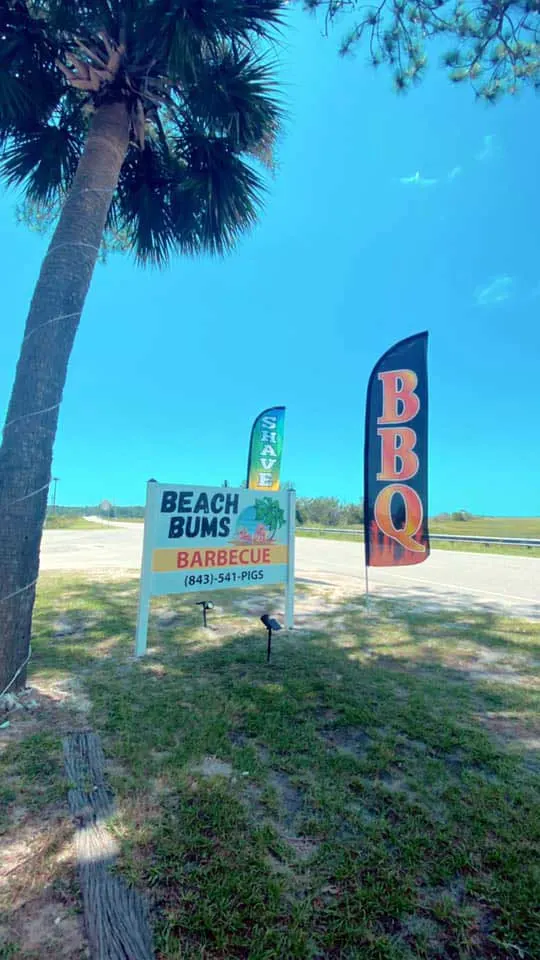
(396, 457)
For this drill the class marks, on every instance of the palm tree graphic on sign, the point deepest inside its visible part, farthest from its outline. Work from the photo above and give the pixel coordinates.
(269, 513)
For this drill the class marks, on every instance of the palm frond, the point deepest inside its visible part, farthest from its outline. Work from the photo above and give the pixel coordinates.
(223, 191)
(236, 97)
(142, 207)
(30, 85)
(44, 160)
(191, 28)
(72, 16)
(198, 198)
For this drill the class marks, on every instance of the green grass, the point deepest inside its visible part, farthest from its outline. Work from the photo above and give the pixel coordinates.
(380, 798)
(31, 773)
(56, 522)
(486, 527)
(490, 527)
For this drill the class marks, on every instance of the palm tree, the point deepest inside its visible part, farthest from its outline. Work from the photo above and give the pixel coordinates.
(269, 512)
(139, 118)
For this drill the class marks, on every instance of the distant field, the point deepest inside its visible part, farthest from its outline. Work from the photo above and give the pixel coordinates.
(72, 523)
(490, 527)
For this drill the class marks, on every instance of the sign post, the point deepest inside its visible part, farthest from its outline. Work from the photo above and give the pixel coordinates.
(145, 593)
(289, 592)
(201, 539)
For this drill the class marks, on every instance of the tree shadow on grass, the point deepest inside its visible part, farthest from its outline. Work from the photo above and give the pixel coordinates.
(363, 743)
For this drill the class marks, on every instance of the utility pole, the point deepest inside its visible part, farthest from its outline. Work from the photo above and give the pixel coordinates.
(55, 481)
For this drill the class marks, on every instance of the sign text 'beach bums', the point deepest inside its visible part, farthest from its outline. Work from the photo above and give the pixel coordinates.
(199, 539)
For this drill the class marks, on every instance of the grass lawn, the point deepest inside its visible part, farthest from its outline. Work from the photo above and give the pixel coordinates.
(372, 793)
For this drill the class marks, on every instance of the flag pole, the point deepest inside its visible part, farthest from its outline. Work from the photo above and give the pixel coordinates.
(367, 588)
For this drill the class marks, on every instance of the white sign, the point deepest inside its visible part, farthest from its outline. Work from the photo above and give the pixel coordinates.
(200, 539)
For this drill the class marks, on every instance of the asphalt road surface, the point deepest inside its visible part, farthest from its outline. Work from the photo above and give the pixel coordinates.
(487, 582)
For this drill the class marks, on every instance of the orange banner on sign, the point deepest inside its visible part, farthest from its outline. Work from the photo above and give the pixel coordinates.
(199, 558)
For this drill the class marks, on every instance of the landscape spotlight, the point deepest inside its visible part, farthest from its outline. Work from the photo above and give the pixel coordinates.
(206, 605)
(270, 625)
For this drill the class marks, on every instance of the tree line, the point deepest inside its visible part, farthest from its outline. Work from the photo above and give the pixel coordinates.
(310, 511)
(104, 509)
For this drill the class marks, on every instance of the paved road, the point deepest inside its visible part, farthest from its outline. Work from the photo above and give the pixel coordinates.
(488, 582)
(446, 578)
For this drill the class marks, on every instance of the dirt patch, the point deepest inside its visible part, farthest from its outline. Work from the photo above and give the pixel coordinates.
(47, 926)
(511, 731)
(39, 899)
(37, 705)
(290, 798)
(213, 767)
(38, 890)
(285, 823)
(446, 900)
(252, 800)
(304, 849)
(351, 740)
(263, 753)
(75, 624)
(394, 782)
(237, 738)
(168, 618)
(510, 726)
(257, 606)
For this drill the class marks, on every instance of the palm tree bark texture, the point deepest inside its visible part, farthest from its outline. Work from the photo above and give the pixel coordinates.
(32, 417)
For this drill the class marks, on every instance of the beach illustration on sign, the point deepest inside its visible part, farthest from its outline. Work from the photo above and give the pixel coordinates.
(260, 522)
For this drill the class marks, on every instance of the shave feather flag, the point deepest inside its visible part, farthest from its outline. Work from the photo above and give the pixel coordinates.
(396, 457)
(265, 450)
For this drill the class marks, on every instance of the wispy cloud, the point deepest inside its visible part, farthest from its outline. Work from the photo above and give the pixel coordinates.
(496, 291)
(488, 148)
(418, 181)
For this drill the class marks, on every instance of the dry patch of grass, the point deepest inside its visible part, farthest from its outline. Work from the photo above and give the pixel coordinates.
(39, 901)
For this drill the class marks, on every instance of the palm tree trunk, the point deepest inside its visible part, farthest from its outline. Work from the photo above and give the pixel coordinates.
(32, 417)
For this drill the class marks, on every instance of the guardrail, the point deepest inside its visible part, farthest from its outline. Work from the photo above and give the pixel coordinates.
(449, 537)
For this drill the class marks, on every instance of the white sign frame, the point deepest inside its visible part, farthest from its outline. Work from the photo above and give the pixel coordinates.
(151, 542)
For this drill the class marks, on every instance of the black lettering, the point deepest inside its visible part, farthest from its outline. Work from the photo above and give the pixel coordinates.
(231, 503)
(193, 525)
(176, 527)
(217, 498)
(184, 501)
(202, 504)
(209, 527)
(168, 501)
(224, 526)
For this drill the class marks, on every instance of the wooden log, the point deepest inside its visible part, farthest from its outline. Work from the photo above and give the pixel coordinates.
(116, 916)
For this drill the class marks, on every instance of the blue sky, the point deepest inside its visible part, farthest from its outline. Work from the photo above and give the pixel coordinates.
(170, 368)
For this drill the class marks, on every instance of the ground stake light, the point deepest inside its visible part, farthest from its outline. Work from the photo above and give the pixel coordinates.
(206, 605)
(270, 625)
